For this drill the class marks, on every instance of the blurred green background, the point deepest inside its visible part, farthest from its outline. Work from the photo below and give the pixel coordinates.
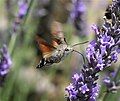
(26, 83)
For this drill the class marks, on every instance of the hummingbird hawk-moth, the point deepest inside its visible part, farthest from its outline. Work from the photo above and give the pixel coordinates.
(55, 51)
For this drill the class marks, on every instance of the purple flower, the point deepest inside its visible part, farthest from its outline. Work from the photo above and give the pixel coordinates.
(107, 80)
(78, 16)
(103, 47)
(111, 82)
(76, 77)
(5, 63)
(114, 56)
(22, 8)
(100, 54)
(94, 93)
(78, 9)
(72, 92)
(84, 88)
(78, 89)
(90, 51)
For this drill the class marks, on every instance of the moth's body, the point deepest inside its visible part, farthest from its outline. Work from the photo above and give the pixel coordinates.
(55, 51)
(56, 56)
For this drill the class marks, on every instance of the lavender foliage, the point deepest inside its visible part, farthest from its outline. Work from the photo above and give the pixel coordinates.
(100, 54)
(5, 63)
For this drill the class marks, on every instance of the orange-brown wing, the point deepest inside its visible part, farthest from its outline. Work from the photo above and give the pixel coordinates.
(56, 42)
(57, 32)
(45, 47)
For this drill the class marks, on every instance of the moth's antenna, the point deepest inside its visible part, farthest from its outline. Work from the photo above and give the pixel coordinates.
(81, 55)
(80, 43)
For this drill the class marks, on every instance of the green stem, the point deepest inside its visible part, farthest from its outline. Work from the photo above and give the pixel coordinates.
(12, 43)
(105, 96)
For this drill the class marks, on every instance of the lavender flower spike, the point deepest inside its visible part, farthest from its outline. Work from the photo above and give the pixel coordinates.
(5, 63)
(100, 54)
(78, 9)
(22, 10)
(78, 16)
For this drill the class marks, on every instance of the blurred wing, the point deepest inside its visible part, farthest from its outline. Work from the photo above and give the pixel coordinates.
(57, 39)
(57, 32)
(45, 47)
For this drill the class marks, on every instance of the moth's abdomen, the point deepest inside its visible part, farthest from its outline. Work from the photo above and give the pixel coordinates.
(45, 62)
(41, 63)
(48, 61)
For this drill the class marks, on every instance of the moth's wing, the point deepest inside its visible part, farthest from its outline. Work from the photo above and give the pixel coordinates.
(57, 32)
(44, 46)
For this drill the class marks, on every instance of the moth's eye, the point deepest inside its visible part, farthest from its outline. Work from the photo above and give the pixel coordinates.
(66, 49)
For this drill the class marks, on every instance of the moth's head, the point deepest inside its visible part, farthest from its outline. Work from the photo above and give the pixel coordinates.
(68, 50)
